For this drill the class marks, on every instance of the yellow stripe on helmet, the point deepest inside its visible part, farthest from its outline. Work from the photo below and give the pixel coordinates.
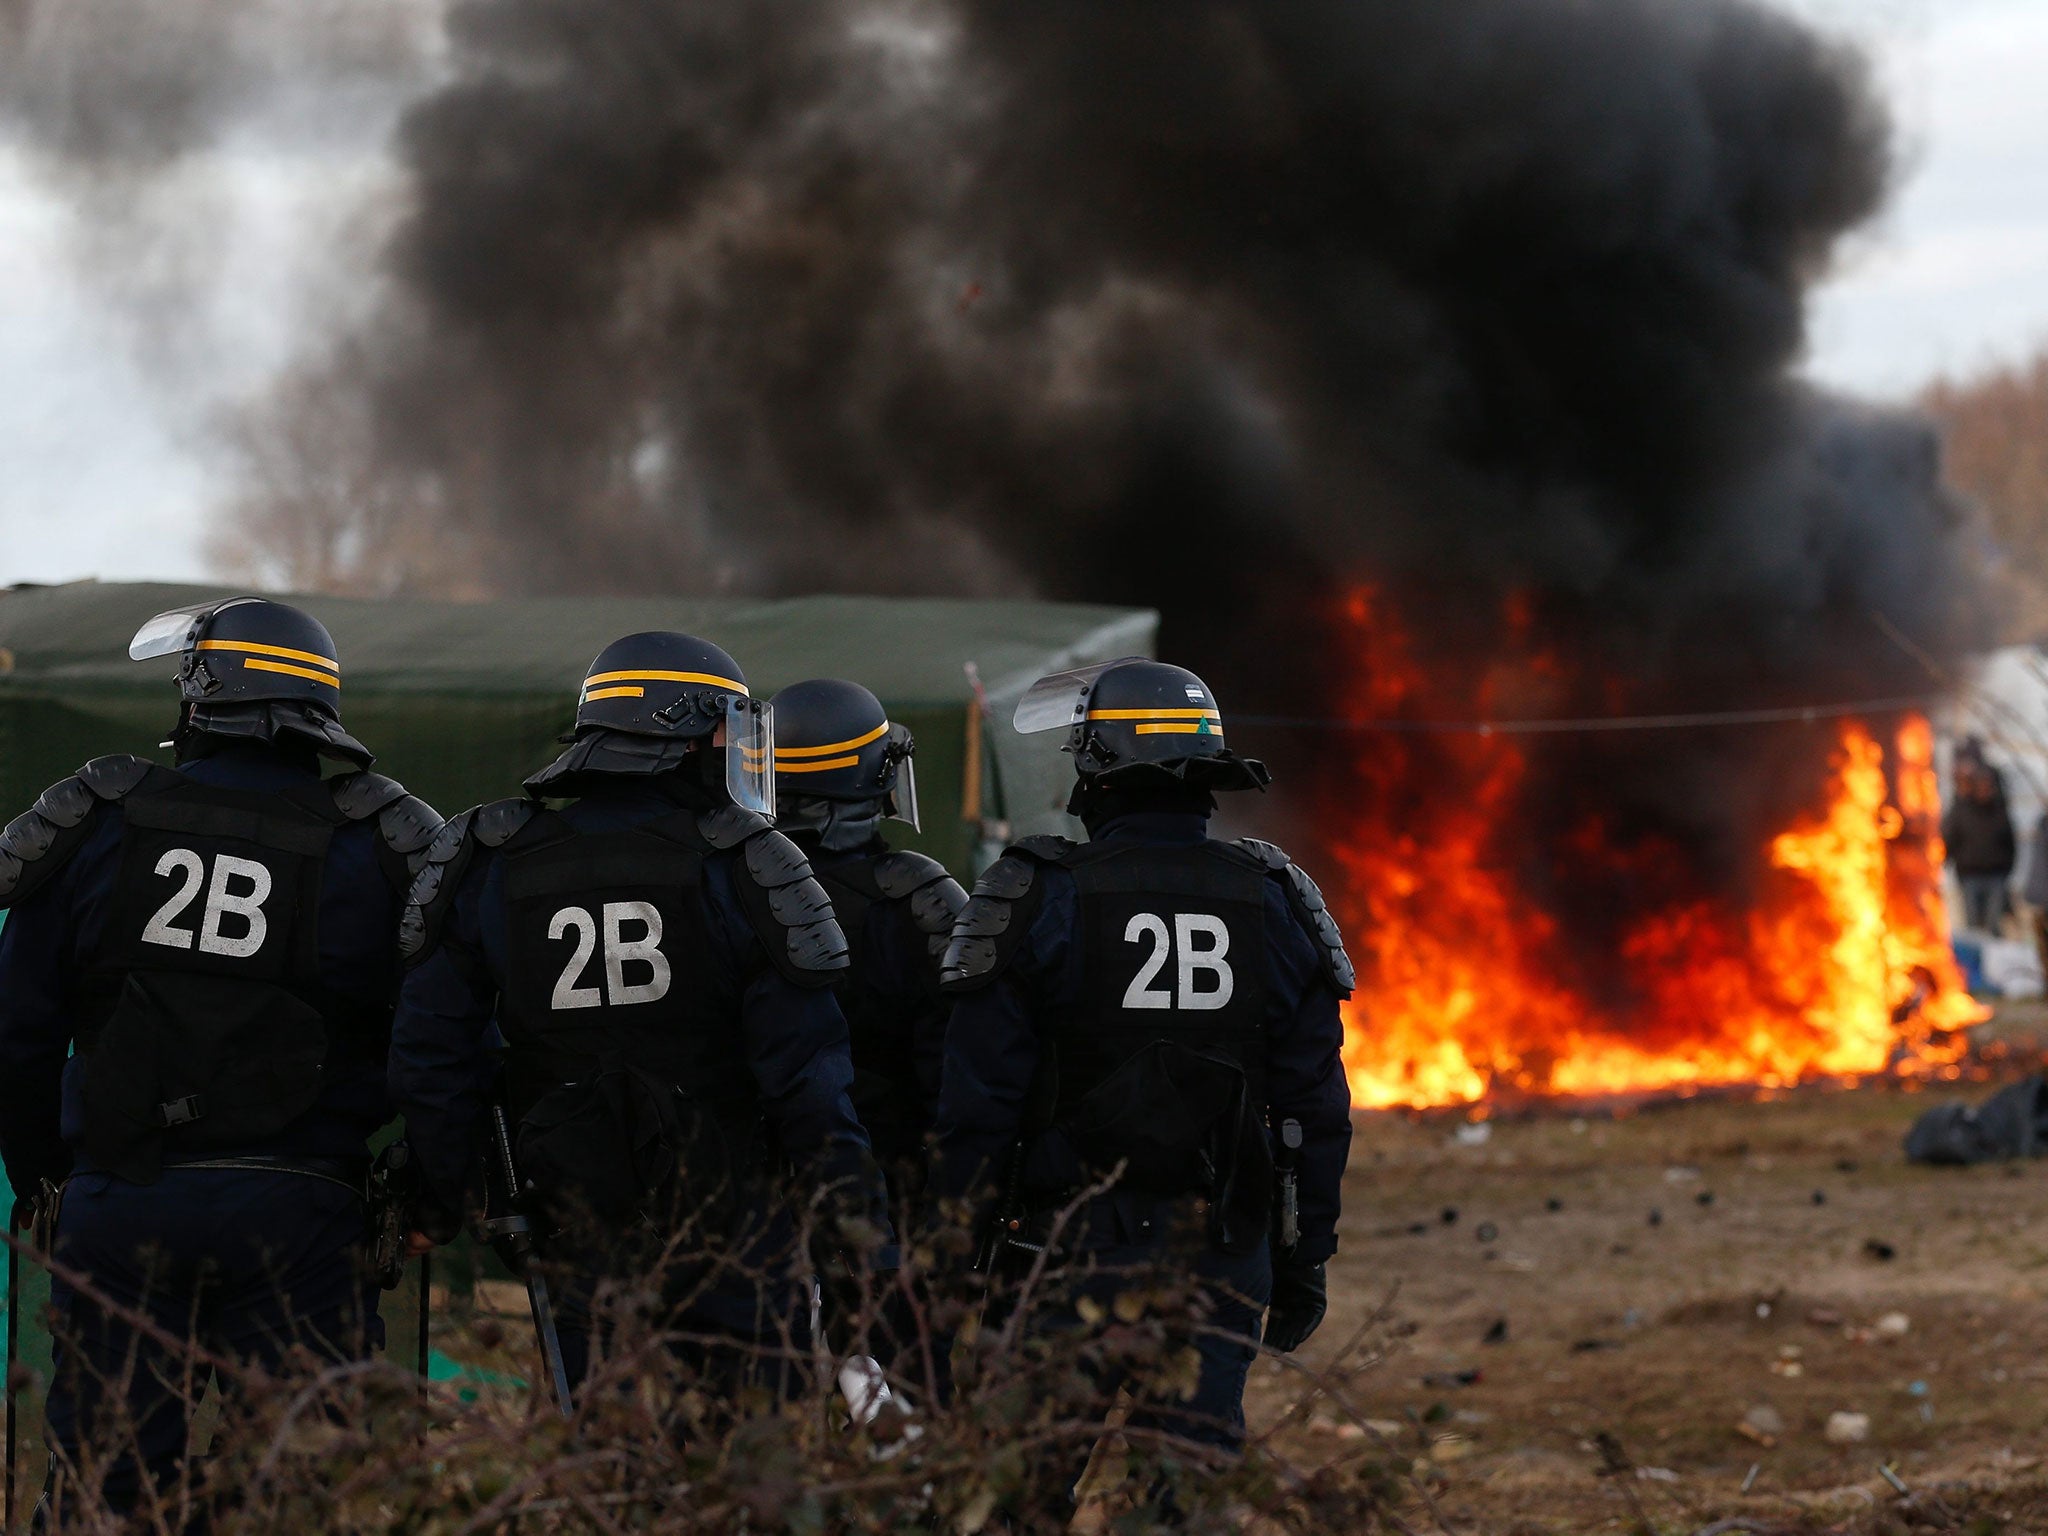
(666, 677)
(854, 744)
(250, 647)
(615, 693)
(1153, 714)
(818, 767)
(1175, 728)
(256, 664)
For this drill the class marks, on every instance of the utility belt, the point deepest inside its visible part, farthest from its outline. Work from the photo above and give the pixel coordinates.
(1061, 1224)
(349, 1173)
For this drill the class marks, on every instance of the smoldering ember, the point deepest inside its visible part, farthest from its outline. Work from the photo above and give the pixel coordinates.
(1436, 372)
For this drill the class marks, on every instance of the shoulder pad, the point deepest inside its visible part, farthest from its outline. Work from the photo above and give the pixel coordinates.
(935, 896)
(1272, 855)
(1307, 899)
(359, 796)
(447, 858)
(731, 825)
(791, 912)
(405, 821)
(906, 870)
(992, 923)
(116, 776)
(40, 841)
(1046, 847)
(499, 822)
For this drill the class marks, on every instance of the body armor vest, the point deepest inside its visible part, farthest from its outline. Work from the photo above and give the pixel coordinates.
(1173, 948)
(1159, 1065)
(879, 1030)
(204, 1023)
(627, 1065)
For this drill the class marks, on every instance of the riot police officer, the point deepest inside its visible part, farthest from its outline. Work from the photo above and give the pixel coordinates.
(841, 770)
(660, 963)
(218, 942)
(1153, 1013)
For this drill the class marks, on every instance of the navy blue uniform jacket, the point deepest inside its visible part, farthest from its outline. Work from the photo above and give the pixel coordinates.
(47, 939)
(441, 1044)
(994, 1038)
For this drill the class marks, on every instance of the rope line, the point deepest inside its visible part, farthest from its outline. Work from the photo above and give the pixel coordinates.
(1790, 715)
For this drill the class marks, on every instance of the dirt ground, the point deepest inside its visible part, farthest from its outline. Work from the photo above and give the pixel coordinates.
(1706, 1283)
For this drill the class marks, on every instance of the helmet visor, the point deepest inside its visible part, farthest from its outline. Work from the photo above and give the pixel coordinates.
(903, 791)
(1061, 700)
(170, 632)
(750, 755)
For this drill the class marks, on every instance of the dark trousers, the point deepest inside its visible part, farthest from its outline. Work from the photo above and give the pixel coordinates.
(1986, 900)
(731, 1332)
(246, 1264)
(1222, 1299)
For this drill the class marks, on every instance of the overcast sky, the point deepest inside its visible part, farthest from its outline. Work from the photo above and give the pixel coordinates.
(103, 469)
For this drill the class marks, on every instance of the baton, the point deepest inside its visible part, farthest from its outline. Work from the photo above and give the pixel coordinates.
(516, 1232)
(426, 1292)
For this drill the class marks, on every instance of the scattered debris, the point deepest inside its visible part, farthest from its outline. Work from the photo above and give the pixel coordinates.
(1655, 1475)
(1847, 1428)
(1476, 1133)
(1898, 1483)
(1553, 1204)
(1449, 1216)
(1453, 1379)
(1755, 1471)
(1486, 1232)
(1704, 1198)
(1846, 1165)
(1764, 1420)
(2006, 1126)
(1451, 1447)
(1594, 1346)
(1825, 1317)
(1917, 1389)
(1894, 1325)
(1496, 1333)
(1417, 1228)
(1820, 1197)
(1656, 1217)
(1880, 1250)
(1684, 1173)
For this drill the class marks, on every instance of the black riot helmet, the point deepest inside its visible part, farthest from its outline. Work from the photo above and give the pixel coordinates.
(1136, 719)
(253, 669)
(652, 700)
(838, 758)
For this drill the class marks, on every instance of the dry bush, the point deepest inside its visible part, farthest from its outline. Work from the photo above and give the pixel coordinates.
(362, 1446)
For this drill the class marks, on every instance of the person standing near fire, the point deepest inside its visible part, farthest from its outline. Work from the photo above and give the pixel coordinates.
(658, 965)
(1148, 1023)
(842, 770)
(196, 983)
(1982, 849)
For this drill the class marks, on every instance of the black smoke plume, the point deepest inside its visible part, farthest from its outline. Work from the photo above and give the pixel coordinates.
(1223, 306)
(1210, 304)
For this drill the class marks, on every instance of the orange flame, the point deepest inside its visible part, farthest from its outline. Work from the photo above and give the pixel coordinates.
(1839, 966)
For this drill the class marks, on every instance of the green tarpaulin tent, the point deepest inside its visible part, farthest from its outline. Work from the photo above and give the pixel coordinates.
(460, 700)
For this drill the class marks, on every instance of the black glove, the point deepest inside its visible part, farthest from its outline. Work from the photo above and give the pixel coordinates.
(1300, 1298)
